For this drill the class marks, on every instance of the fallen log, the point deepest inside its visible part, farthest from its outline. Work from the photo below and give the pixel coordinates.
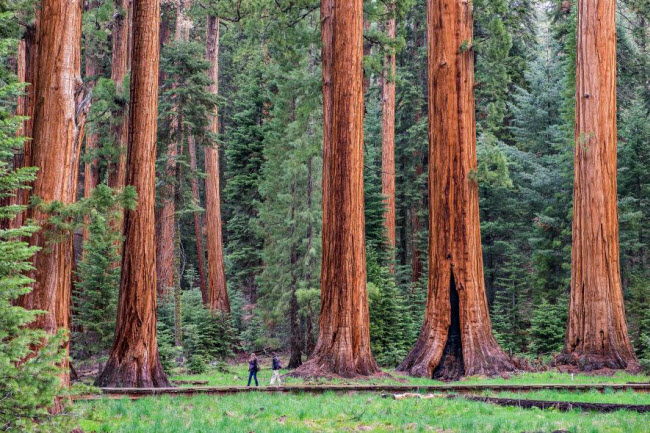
(563, 406)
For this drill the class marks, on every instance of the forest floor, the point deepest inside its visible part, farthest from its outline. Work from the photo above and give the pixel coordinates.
(359, 411)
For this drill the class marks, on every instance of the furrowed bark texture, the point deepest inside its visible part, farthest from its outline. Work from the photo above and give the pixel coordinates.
(133, 359)
(343, 346)
(56, 146)
(217, 291)
(597, 332)
(456, 337)
(388, 135)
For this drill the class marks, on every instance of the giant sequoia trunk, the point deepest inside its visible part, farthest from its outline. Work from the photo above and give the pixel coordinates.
(133, 359)
(217, 293)
(57, 131)
(456, 337)
(343, 346)
(597, 333)
(388, 134)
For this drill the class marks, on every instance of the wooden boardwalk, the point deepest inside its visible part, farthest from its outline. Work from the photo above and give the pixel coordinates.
(316, 389)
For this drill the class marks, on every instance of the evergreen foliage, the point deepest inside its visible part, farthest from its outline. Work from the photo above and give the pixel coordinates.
(29, 382)
(98, 272)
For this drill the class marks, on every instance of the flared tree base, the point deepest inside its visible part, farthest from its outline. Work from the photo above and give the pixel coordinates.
(131, 374)
(593, 362)
(330, 365)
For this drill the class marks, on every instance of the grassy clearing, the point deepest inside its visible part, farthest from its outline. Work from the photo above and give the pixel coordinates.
(330, 412)
(261, 413)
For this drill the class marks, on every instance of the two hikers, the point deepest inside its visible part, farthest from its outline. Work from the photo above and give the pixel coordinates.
(254, 367)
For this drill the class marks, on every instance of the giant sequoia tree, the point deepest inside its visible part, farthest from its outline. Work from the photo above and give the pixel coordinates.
(217, 293)
(388, 131)
(597, 332)
(133, 360)
(456, 337)
(57, 130)
(343, 346)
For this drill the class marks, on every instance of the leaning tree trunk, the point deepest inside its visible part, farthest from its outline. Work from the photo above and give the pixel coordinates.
(343, 346)
(133, 359)
(217, 292)
(597, 333)
(57, 132)
(388, 134)
(456, 337)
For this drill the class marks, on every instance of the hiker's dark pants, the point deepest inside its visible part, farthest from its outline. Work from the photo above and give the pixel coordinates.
(251, 375)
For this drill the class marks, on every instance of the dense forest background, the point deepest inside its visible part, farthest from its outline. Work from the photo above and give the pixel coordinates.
(270, 152)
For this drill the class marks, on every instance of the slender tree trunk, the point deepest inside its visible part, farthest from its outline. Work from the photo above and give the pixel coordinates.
(27, 68)
(119, 70)
(366, 52)
(295, 359)
(218, 294)
(57, 131)
(198, 223)
(167, 224)
(343, 346)
(133, 360)
(388, 134)
(91, 167)
(456, 337)
(597, 332)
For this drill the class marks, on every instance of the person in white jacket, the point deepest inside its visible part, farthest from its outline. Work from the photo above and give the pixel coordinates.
(276, 366)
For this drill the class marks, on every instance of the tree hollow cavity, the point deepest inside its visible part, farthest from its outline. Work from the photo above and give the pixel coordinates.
(451, 366)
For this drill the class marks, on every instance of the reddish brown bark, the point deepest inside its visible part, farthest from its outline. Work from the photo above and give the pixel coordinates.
(388, 134)
(133, 359)
(343, 346)
(597, 332)
(456, 337)
(217, 291)
(57, 132)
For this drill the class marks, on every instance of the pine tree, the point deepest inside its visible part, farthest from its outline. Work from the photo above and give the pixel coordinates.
(30, 382)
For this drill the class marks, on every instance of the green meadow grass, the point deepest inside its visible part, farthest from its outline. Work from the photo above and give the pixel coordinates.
(330, 412)
(354, 412)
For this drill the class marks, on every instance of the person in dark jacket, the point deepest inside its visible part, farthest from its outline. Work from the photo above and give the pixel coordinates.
(253, 368)
(276, 365)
